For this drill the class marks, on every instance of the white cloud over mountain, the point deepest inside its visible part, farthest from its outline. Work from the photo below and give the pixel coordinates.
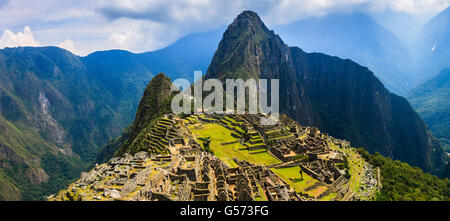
(68, 45)
(142, 25)
(25, 38)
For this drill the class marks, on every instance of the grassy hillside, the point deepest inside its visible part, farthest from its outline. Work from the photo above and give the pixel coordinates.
(54, 115)
(402, 182)
(32, 167)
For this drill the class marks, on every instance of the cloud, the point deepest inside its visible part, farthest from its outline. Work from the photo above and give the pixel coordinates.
(68, 45)
(143, 25)
(25, 38)
(141, 36)
(153, 24)
(168, 11)
(275, 11)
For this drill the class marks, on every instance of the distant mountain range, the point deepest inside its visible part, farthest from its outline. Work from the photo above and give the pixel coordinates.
(432, 47)
(179, 60)
(358, 37)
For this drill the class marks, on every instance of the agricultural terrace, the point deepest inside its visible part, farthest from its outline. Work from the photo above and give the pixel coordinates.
(220, 135)
(292, 176)
(355, 163)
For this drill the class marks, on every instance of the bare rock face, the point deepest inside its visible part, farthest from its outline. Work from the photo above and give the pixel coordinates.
(37, 175)
(112, 193)
(89, 178)
(47, 123)
(143, 176)
(129, 187)
(127, 157)
(143, 155)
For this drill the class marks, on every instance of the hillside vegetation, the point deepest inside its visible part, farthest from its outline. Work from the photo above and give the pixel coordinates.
(432, 101)
(402, 182)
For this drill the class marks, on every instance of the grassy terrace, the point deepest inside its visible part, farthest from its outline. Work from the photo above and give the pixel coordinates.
(190, 119)
(356, 163)
(228, 121)
(231, 119)
(220, 134)
(268, 133)
(292, 176)
(262, 196)
(329, 197)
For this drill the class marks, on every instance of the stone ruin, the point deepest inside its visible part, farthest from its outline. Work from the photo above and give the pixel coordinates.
(175, 168)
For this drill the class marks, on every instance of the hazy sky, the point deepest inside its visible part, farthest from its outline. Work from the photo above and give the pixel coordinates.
(84, 26)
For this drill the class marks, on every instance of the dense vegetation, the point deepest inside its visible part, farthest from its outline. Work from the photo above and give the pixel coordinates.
(52, 105)
(61, 170)
(402, 182)
(432, 101)
(154, 103)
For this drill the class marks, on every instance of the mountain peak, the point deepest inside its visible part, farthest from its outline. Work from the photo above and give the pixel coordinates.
(249, 20)
(245, 43)
(248, 14)
(155, 95)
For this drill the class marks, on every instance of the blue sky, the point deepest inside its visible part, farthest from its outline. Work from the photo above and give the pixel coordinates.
(85, 26)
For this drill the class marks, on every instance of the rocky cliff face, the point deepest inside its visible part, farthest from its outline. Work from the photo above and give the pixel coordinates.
(339, 96)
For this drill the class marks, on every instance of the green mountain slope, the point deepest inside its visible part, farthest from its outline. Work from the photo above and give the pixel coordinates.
(339, 96)
(154, 103)
(402, 182)
(50, 91)
(432, 101)
(52, 113)
(31, 166)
